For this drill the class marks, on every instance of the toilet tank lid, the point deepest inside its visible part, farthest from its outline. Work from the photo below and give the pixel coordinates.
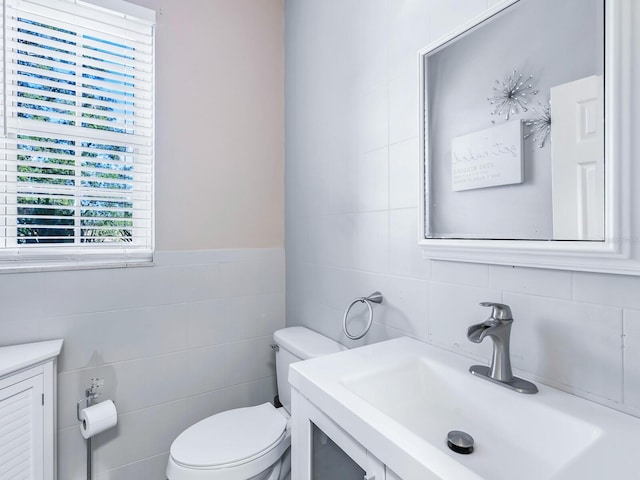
(305, 343)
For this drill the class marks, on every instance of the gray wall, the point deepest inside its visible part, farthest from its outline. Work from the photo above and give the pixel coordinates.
(352, 211)
(175, 343)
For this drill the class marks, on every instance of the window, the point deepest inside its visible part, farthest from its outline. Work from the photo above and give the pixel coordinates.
(76, 163)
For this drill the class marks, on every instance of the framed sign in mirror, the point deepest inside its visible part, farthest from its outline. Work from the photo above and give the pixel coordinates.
(526, 116)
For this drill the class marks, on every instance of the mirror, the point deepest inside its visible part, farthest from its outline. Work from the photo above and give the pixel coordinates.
(515, 125)
(521, 161)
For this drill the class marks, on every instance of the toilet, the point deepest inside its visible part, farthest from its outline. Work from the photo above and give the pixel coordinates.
(249, 443)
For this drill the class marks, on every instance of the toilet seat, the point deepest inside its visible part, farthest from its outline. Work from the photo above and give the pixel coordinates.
(234, 444)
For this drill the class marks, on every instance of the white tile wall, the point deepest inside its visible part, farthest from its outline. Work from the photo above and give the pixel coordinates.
(405, 258)
(447, 16)
(372, 180)
(175, 342)
(569, 343)
(631, 360)
(409, 22)
(404, 189)
(152, 467)
(577, 331)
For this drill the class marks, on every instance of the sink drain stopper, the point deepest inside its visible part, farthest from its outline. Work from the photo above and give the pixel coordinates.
(460, 442)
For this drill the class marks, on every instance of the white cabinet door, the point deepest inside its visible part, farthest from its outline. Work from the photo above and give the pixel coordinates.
(310, 426)
(375, 468)
(391, 475)
(21, 430)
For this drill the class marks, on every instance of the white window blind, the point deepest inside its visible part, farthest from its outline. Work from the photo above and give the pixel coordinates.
(78, 134)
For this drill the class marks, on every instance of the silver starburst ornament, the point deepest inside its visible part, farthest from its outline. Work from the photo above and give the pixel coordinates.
(539, 127)
(510, 96)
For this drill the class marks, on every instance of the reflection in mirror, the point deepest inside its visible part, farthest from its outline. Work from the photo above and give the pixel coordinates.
(514, 126)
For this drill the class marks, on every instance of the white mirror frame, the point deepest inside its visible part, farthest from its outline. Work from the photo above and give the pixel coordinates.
(619, 252)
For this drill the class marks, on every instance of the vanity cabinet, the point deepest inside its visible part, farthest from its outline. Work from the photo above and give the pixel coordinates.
(391, 475)
(307, 419)
(390, 405)
(22, 428)
(27, 411)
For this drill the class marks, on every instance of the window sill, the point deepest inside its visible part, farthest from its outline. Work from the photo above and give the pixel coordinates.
(32, 265)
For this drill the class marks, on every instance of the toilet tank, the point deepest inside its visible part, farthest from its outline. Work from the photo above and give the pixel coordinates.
(296, 344)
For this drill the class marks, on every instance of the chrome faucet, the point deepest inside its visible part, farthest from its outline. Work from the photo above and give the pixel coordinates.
(498, 327)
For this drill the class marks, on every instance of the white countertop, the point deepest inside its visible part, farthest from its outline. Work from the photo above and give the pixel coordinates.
(14, 358)
(605, 442)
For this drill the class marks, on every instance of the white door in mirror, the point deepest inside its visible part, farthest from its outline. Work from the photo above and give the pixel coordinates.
(577, 159)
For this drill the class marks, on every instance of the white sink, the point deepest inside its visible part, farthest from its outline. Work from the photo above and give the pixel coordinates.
(400, 398)
(431, 399)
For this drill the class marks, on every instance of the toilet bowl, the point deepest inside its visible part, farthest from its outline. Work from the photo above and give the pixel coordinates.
(251, 443)
(239, 444)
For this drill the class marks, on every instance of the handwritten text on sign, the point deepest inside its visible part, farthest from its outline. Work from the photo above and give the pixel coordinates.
(487, 158)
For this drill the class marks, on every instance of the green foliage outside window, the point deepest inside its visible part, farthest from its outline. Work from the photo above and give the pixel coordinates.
(50, 209)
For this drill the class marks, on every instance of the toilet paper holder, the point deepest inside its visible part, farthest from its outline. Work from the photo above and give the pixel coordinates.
(90, 395)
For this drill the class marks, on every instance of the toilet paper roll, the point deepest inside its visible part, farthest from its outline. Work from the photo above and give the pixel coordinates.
(98, 418)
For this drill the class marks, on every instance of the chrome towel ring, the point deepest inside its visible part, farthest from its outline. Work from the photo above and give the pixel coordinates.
(375, 297)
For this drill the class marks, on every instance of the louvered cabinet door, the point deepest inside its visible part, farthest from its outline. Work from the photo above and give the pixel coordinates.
(21, 430)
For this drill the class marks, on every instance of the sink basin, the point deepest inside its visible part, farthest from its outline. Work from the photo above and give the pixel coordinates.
(431, 399)
(400, 398)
